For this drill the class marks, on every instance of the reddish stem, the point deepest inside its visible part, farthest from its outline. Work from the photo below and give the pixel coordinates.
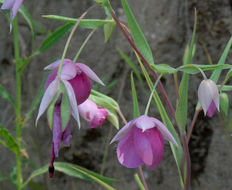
(142, 177)
(161, 88)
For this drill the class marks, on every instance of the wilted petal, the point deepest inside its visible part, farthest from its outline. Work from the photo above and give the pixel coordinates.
(142, 146)
(15, 8)
(126, 152)
(51, 168)
(211, 110)
(66, 135)
(72, 101)
(165, 132)
(89, 73)
(144, 122)
(8, 4)
(48, 97)
(157, 143)
(56, 130)
(123, 131)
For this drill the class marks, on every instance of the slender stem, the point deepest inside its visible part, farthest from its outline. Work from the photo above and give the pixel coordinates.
(18, 102)
(68, 42)
(161, 88)
(122, 117)
(142, 177)
(140, 184)
(83, 45)
(193, 123)
(225, 80)
(176, 85)
(150, 98)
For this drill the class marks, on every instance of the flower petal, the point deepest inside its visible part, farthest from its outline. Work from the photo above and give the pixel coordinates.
(144, 122)
(72, 101)
(99, 117)
(68, 71)
(211, 110)
(66, 135)
(164, 131)
(123, 131)
(56, 64)
(87, 109)
(126, 152)
(214, 92)
(157, 143)
(89, 73)
(56, 130)
(142, 146)
(15, 8)
(48, 97)
(8, 4)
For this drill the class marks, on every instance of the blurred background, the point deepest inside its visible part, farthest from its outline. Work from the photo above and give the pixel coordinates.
(167, 26)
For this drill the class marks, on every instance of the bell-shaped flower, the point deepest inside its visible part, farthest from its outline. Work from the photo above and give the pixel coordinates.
(209, 97)
(58, 136)
(77, 84)
(13, 6)
(141, 141)
(92, 113)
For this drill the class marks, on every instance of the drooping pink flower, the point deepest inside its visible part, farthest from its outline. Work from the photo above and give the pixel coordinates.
(96, 115)
(141, 141)
(13, 6)
(208, 96)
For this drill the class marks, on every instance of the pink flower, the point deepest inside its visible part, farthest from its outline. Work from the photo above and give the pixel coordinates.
(96, 115)
(13, 5)
(141, 141)
(208, 96)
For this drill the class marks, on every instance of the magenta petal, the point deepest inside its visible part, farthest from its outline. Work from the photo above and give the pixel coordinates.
(123, 131)
(211, 110)
(81, 86)
(89, 73)
(48, 97)
(15, 8)
(66, 135)
(126, 152)
(51, 77)
(142, 146)
(72, 101)
(56, 64)
(8, 4)
(157, 143)
(56, 130)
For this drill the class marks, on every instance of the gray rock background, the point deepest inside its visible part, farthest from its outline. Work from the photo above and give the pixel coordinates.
(167, 26)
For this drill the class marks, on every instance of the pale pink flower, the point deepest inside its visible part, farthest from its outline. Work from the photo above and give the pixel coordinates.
(13, 6)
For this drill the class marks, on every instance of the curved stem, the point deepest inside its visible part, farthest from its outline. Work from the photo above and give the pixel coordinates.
(150, 98)
(83, 45)
(18, 101)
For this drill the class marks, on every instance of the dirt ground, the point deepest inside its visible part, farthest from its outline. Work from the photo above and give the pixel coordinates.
(167, 26)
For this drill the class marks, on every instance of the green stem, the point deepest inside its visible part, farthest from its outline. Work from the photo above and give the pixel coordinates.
(68, 42)
(18, 102)
(150, 98)
(83, 45)
(140, 184)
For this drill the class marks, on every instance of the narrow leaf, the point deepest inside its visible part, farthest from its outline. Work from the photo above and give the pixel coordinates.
(134, 96)
(137, 34)
(108, 29)
(9, 140)
(65, 110)
(6, 96)
(163, 69)
(216, 73)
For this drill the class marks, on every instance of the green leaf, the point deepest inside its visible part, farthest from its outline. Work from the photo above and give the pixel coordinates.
(135, 100)
(217, 73)
(67, 168)
(65, 110)
(84, 23)
(226, 87)
(194, 68)
(163, 69)
(54, 37)
(10, 142)
(137, 34)
(224, 103)
(6, 96)
(109, 28)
